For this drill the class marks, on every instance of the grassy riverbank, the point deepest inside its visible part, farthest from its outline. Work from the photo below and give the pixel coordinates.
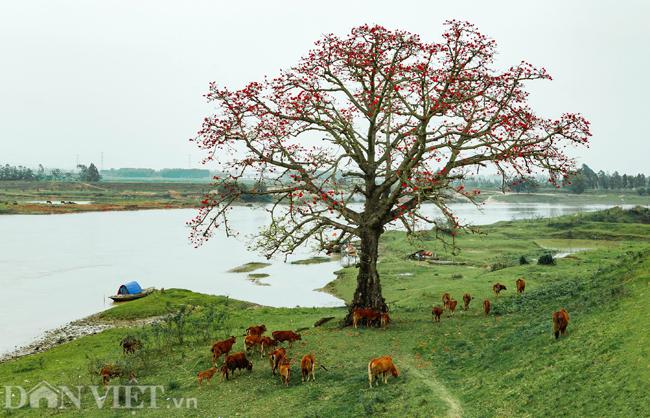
(30, 197)
(562, 198)
(507, 364)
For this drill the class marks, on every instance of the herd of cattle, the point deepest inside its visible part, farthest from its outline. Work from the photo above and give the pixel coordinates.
(560, 318)
(280, 362)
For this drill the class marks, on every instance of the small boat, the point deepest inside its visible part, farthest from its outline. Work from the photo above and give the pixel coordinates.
(130, 291)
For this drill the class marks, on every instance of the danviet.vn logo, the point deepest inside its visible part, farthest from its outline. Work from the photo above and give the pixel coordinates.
(46, 395)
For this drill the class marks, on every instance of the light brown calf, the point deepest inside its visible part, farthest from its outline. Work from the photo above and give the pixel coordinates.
(521, 285)
(206, 375)
(467, 298)
(486, 307)
(436, 312)
(308, 367)
(285, 371)
(381, 366)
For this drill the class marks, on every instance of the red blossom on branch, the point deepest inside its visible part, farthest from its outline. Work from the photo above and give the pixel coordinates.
(398, 120)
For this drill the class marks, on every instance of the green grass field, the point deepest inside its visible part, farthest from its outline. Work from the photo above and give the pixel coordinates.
(504, 365)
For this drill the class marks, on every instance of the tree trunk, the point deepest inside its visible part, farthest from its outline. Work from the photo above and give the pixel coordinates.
(368, 292)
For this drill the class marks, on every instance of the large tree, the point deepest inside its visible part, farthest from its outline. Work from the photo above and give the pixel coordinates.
(406, 120)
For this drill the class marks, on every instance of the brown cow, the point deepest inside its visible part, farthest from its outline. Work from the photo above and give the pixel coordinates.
(452, 306)
(308, 367)
(285, 370)
(276, 357)
(486, 306)
(130, 344)
(467, 298)
(497, 288)
(370, 315)
(252, 341)
(235, 362)
(560, 322)
(206, 375)
(221, 347)
(521, 285)
(381, 365)
(445, 300)
(256, 330)
(109, 371)
(282, 336)
(266, 342)
(384, 320)
(436, 312)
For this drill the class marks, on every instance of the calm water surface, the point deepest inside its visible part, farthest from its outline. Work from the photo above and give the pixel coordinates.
(57, 268)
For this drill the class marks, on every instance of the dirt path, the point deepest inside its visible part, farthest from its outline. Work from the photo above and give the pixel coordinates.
(455, 410)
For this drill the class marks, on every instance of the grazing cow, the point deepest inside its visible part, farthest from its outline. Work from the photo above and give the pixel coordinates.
(452, 306)
(276, 357)
(521, 285)
(234, 362)
(252, 341)
(282, 336)
(436, 312)
(266, 342)
(560, 322)
(206, 375)
(497, 288)
(221, 347)
(285, 370)
(109, 371)
(130, 344)
(467, 298)
(370, 315)
(308, 367)
(381, 366)
(384, 320)
(486, 307)
(256, 330)
(445, 300)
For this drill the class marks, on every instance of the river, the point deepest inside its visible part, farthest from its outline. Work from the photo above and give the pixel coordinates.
(57, 268)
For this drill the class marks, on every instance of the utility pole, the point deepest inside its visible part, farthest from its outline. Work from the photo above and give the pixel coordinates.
(101, 164)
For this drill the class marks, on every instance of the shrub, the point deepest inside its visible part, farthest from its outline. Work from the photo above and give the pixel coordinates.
(501, 263)
(546, 260)
(522, 260)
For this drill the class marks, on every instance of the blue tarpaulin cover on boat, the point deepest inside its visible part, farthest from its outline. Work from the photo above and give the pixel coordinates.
(130, 288)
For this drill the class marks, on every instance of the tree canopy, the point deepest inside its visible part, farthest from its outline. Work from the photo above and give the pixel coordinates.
(407, 119)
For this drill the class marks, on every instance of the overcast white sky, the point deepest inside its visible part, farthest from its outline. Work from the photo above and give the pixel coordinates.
(126, 77)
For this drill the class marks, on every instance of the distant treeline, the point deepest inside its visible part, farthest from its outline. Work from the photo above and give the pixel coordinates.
(85, 173)
(166, 173)
(587, 179)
